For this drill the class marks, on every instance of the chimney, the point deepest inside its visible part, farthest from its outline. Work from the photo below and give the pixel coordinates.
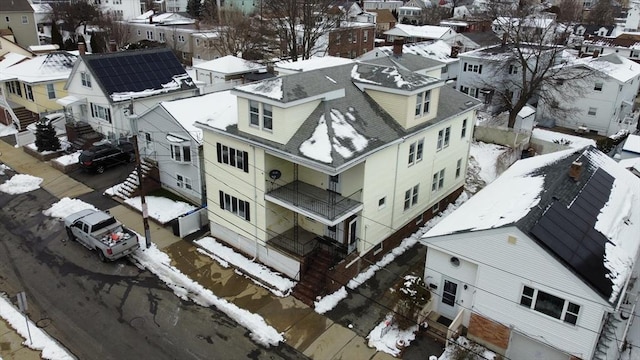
(454, 51)
(397, 46)
(575, 170)
(505, 37)
(596, 53)
(81, 48)
(113, 47)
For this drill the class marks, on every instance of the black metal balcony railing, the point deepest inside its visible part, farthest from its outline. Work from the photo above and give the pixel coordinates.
(301, 197)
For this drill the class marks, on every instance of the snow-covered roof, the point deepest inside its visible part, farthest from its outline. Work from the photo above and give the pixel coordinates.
(10, 59)
(42, 8)
(49, 67)
(317, 62)
(218, 110)
(424, 32)
(230, 65)
(574, 142)
(436, 50)
(632, 144)
(526, 111)
(604, 199)
(618, 67)
(164, 18)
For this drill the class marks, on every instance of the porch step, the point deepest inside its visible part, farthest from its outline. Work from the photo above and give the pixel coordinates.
(25, 117)
(313, 281)
(435, 329)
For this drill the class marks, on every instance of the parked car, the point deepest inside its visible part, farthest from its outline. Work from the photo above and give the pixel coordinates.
(100, 232)
(104, 155)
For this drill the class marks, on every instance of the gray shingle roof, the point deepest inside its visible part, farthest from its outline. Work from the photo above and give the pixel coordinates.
(409, 62)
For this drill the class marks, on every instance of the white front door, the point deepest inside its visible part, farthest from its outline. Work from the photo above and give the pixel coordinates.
(448, 301)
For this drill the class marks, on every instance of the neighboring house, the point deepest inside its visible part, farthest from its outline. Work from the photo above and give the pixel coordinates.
(607, 105)
(120, 9)
(102, 88)
(435, 50)
(17, 16)
(384, 21)
(631, 148)
(8, 44)
(243, 6)
(540, 26)
(412, 11)
(32, 86)
(552, 275)
(414, 33)
(467, 24)
(204, 46)
(175, 6)
(339, 163)
(625, 45)
(177, 148)
(470, 41)
(370, 5)
(42, 16)
(227, 72)
(286, 67)
(350, 39)
(485, 71)
(587, 31)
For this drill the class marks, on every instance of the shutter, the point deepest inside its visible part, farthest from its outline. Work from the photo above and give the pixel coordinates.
(246, 211)
(221, 199)
(480, 70)
(246, 161)
(219, 150)
(109, 115)
(93, 114)
(465, 67)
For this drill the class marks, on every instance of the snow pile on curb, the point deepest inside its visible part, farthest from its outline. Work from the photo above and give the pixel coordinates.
(66, 207)
(21, 183)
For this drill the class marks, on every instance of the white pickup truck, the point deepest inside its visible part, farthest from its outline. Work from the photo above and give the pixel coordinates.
(100, 232)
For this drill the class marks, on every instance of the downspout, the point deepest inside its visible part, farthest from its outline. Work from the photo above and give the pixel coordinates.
(255, 201)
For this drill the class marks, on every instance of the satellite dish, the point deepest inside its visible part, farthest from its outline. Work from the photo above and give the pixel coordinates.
(275, 174)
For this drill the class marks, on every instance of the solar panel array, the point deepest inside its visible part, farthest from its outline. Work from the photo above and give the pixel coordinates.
(569, 232)
(135, 71)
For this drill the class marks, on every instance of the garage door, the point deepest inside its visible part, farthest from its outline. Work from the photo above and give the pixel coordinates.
(522, 347)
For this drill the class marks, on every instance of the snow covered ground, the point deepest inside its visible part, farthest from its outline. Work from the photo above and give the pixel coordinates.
(161, 209)
(20, 183)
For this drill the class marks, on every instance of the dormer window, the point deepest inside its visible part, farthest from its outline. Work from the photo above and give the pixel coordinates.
(260, 115)
(422, 103)
(86, 79)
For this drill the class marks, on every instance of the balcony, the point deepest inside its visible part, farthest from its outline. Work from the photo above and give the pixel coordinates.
(324, 206)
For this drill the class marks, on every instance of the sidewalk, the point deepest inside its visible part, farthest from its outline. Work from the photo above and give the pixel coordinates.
(11, 347)
(312, 334)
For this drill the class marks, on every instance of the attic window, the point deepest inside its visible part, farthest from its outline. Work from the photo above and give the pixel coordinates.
(454, 261)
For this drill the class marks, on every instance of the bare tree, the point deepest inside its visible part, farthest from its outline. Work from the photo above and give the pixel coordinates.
(244, 36)
(119, 31)
(601, 14)
(569, 11)
(435, 14)
(529, 63)
(76, 14)
(301, 23)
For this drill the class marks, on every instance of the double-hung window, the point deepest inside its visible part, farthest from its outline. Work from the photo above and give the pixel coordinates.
(444, 136)
(86, 79)
(415, 151)
(181, 153)
(260, 115)
(100, 112)
(28, 92)
(235, 205)
(234, 157)
(438, 181)
(51, 91)
(463, 133)
(458, 168)
(411, 197)
(422, 103)
(550, 305)
(183, 182)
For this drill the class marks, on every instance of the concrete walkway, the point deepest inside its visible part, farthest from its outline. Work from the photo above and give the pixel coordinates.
(11, 347)
(314, 335)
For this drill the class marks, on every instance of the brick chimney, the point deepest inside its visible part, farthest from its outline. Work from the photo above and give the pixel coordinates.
(397, 46)
(596, 53)
(82, 49)
(575, 170)
(113, 47)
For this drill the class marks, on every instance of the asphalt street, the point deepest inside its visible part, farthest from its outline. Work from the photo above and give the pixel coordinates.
(107, 310)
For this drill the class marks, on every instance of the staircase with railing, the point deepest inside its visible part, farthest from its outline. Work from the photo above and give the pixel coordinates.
(130, 187)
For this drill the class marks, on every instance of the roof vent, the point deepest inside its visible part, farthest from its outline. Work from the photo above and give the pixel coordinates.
(575, 170)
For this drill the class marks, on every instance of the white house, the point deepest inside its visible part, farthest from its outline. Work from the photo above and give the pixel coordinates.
(551, 275)
(607, 105)
(121, 9)
(414, 33)
(103, 88)
(326, 170)
(631, 147)
(167, 136)
(381, 4)
(225, 72)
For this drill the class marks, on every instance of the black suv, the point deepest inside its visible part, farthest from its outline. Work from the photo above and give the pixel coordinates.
(99, 157)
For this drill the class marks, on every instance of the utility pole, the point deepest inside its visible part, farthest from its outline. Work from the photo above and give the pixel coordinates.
(145, 210)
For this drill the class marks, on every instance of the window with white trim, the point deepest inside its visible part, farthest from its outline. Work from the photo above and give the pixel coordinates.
(149, 35)
(230, 156)
(234, 205)
(51, 91)
(550, 305)
(598, 86)
(28, 92)
(183, 182)
(411, 197)
(458, 168)
(513, 69)
(472, 68)
(592, 111)
(161, 37)
(422, 103)
(365, 36)
(260, 115)
(25, 19)
(415, 151)
(438, 180)
(181, 153)
(444, 137)
(381, 202)
(100, 112)
(14, 87)
(85, 78)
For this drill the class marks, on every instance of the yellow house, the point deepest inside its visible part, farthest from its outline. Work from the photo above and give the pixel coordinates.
(320, 173)
(30, 88)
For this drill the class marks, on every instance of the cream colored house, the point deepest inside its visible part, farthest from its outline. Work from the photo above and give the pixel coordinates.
(32, 86)
(319, 173)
